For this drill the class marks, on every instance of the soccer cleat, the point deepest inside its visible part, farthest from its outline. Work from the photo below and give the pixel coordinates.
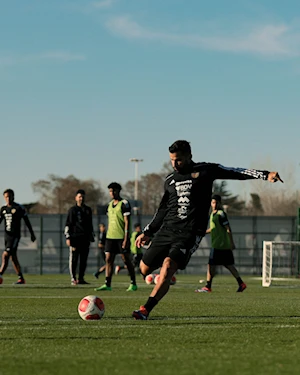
(141, 314)
(117, 270)
(82, 282)
(103, 287)
(96, 274)
(20, 281)
(73, 282)
(205, 289)
(242, 287)
(132, 288)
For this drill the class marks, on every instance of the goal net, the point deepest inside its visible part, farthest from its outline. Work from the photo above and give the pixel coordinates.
(281, 263)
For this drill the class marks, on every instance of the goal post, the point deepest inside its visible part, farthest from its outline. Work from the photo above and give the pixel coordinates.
(280, 262)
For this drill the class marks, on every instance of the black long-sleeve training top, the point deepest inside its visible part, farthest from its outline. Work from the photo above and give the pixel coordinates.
(79, 224)
(187, 196)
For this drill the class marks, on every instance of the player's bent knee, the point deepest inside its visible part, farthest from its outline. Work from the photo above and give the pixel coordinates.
(169, 263)
(144, 269)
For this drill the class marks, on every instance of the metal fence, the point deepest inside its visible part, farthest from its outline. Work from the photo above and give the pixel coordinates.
(49, 254)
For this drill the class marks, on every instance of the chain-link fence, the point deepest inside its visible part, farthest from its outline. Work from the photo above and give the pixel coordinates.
(49, 254)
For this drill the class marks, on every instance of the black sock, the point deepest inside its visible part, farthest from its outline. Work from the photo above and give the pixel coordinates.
(20, 275)
(108, 281)
(133, 281)
(239, 280)
(97, 273)
(208, 284)
(150, 304)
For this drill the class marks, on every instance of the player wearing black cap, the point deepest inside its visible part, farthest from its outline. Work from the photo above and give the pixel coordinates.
(79, 234)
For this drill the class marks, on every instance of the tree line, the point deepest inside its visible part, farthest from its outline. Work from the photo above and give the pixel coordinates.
(56, 195)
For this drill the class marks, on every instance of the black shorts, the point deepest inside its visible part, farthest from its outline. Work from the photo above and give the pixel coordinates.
(221, 257)
(178, 245)
(114, 246)
(11, 244)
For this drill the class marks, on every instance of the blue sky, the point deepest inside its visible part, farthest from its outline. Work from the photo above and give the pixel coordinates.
(87, 85)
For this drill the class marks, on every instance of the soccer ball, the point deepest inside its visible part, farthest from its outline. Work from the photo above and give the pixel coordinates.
(156, 279)
(149, 279)
(91, 308)
(173, 280)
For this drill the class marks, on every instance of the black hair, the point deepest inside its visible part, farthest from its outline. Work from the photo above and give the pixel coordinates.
(180, 146)
(114, 186)
(137, 225)
(217, 197)
(80, 191)
(10, 192)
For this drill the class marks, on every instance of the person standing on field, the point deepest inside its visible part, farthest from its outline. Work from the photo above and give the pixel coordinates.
(12, 214)
(79, 234)
(181, 219)
(118, 237)
(222, 246)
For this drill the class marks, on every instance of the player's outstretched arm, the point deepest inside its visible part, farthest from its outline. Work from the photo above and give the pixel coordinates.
(220, 172)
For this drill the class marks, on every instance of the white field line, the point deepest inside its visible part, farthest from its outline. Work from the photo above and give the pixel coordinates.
(202, 320)
(65, 297)
(130, 326)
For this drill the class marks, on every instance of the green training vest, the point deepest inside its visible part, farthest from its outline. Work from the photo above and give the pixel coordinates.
(134, 249)
(116, 223)
(219, 236)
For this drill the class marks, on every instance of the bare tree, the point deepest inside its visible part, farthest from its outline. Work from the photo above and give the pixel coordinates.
(255, 206)
(57, 193)
(151, 187)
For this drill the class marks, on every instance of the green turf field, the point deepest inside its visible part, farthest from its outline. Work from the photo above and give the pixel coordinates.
(255, 332)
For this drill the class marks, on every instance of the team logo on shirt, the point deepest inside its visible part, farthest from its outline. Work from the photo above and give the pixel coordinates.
(183, 190)
(195, 175)
(13, 210)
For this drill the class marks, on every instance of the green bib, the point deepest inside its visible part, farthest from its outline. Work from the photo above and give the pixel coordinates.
(133, 248)
(116, 223)
(219, 236)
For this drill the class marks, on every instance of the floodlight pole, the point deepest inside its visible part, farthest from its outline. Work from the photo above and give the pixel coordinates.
(136, 181)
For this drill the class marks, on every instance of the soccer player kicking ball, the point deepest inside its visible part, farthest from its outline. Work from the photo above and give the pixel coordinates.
(181, 219)
(222, 246)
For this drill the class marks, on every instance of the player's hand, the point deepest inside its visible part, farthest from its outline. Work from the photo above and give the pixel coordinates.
(33, 238)
(141, 240)
(68, 242)
(124, 243)
(233, 246)
(274, 177)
